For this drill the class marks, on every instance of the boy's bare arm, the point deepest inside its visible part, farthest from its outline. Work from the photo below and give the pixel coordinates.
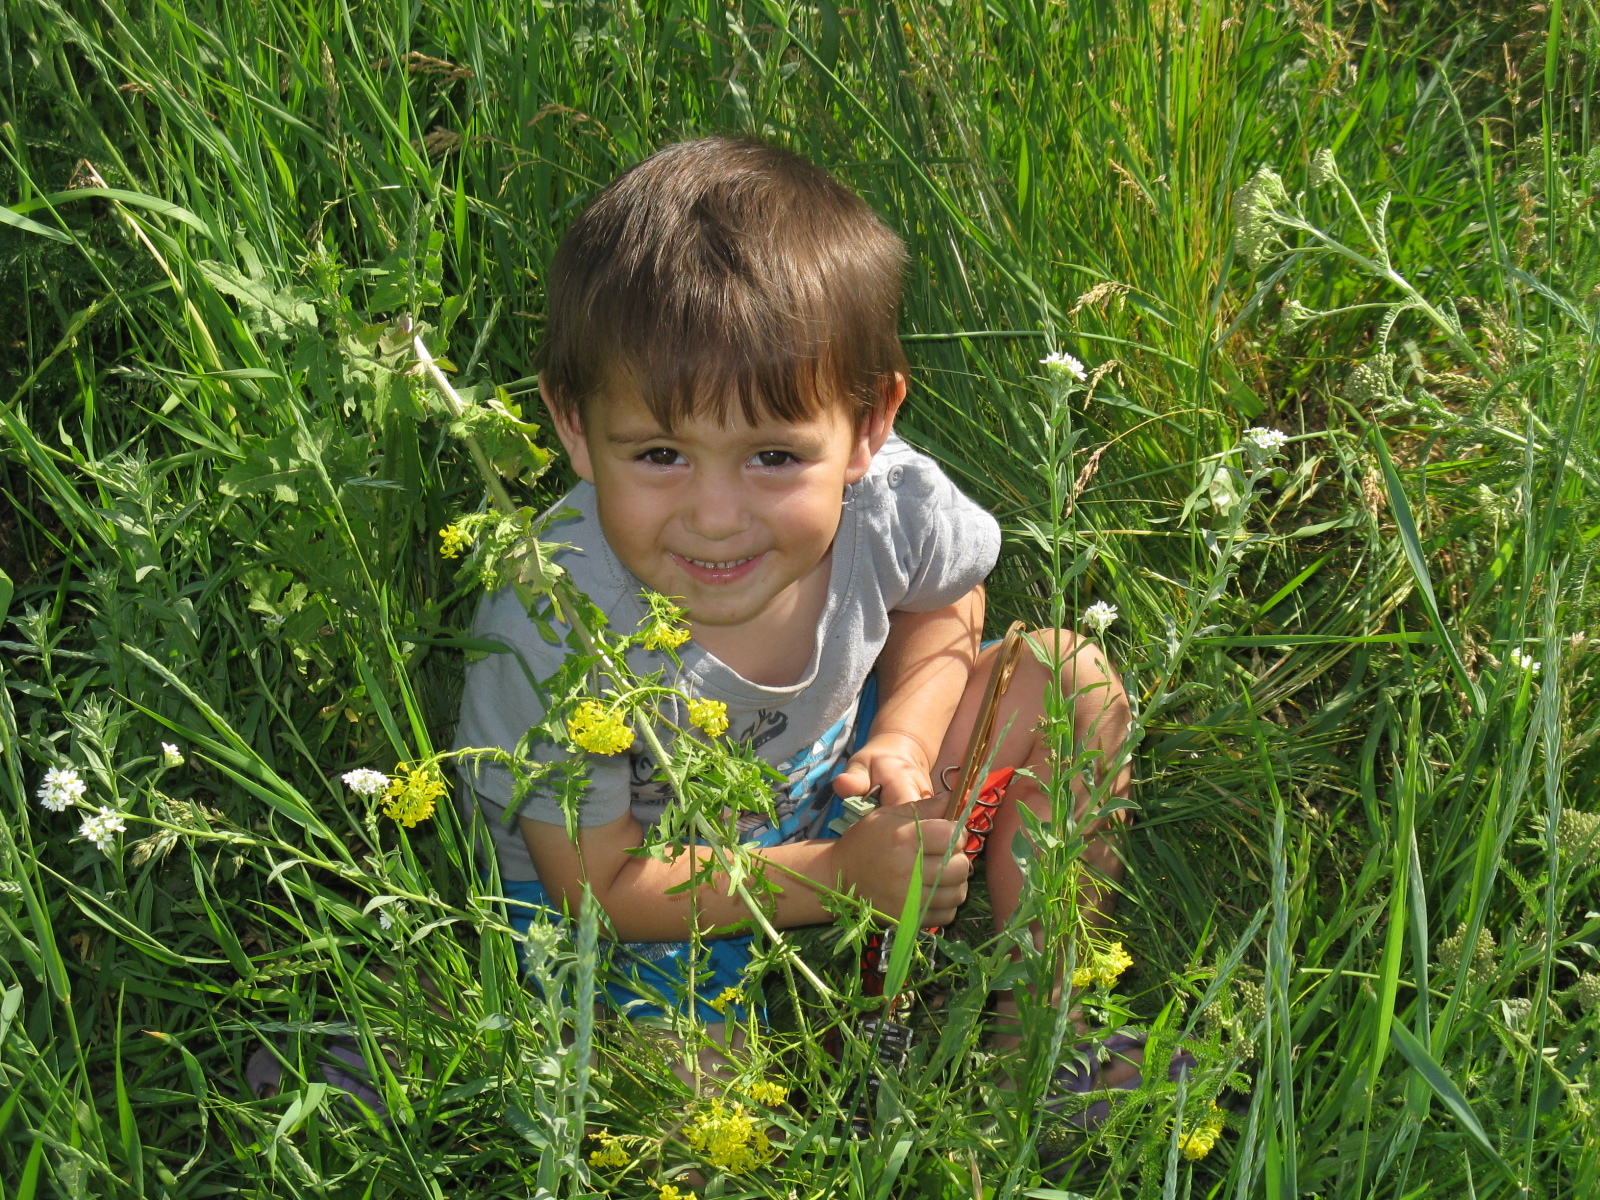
(922, 672)
(874, 858)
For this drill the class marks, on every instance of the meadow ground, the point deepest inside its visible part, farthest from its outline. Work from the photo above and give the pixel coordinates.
(1362, 877)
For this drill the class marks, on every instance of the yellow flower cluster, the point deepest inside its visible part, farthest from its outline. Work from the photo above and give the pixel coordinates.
(611, 1153)
(413, 794)
(768, 1093)
(663, 628)
(709, 715)
(659, 635)
(453, 541)
(729, 1138)
(598, 730)
(670, 1191)
(728, 995)
(1104, 967)
(1198, 1142)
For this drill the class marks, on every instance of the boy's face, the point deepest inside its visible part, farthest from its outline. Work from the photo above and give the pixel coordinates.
(728, 518)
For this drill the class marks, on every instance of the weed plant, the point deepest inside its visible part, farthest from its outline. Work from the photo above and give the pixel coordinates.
(1271, 326)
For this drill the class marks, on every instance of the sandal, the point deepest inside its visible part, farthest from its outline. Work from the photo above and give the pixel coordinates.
(1086, 1071)
(343, 1067)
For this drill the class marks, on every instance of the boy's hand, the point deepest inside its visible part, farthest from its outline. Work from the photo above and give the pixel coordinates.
(876, 854)
(896, 761)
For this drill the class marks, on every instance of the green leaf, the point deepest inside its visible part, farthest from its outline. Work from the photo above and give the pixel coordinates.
(905, 934)
(1412, 544)
(155, 204)
(1444, 1087)
(10, 217)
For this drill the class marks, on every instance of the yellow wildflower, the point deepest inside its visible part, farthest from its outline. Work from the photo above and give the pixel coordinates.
(728, 1137)
(1198, 1142)
(611, 1153)
(412, 794)
(658, 635)
(662, 629)
(727, 996)
(599, 730)
(1109, 964)
(670, 1192)
(1083, 976)
(769, 1093)
(454, 540)
(709, 715)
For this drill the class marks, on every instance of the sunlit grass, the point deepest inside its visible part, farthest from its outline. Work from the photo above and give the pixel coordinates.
(1361, 876)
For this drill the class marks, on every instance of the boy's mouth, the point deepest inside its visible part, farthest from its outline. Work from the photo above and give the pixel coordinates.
(726, 571)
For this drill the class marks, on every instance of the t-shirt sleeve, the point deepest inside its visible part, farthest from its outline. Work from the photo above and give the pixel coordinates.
(945, 542)
(500, 702)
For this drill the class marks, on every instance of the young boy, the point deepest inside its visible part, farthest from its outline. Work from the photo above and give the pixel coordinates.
(721, 363)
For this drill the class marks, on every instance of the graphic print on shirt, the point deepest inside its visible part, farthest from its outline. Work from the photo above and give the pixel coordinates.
(805, 799)
(801, 801)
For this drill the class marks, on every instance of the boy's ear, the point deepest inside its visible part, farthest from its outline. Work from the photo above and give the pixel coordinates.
(568, 424)
(876, 427)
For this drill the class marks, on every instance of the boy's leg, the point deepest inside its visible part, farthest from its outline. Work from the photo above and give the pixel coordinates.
(1100, 724)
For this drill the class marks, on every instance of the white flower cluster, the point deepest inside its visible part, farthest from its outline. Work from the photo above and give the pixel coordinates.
(62, 787)
(1099, 615)
(171, 756)
(98, 828)
(273, 621)
(1525, 661)
(1258, 207)
(1516, 1010)
(1062, 365)
(1324, 168)
(388, 913)
(364, 781)
(1266, 441)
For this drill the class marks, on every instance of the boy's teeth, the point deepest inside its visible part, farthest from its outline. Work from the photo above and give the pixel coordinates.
(720, 566)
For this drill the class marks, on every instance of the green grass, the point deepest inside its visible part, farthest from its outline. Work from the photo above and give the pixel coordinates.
(1344, 777)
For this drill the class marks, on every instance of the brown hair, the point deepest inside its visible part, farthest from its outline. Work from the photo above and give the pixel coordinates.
(719, 272)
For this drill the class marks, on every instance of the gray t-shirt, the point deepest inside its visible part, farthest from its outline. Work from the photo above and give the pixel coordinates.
(908, 540)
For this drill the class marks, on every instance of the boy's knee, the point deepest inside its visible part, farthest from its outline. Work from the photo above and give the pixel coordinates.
(1080, 659)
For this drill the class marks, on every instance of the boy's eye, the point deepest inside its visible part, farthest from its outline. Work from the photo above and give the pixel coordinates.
(775, 458)
(660, 456)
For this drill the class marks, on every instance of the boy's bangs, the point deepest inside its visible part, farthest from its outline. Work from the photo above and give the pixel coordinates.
(720, 377)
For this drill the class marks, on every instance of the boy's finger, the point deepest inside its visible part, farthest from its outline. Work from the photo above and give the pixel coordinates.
(851, 781)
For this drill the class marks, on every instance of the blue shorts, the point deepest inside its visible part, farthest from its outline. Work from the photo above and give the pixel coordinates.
(646, 979)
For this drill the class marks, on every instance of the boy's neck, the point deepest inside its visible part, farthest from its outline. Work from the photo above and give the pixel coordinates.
(774, 647)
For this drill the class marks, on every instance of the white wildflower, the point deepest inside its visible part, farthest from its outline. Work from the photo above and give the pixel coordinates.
(62, 787)
(98, 828)
(274, 621)
(1525, 661)
(1258, 208)
(389, 913)
(1099, 615)
(1062, 365)
(1324, 169)
(1516, 1010)
(1266, 441)
(364, 781)
(171, 756)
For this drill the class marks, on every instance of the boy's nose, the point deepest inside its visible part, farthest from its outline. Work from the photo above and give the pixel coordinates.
(716, 511)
